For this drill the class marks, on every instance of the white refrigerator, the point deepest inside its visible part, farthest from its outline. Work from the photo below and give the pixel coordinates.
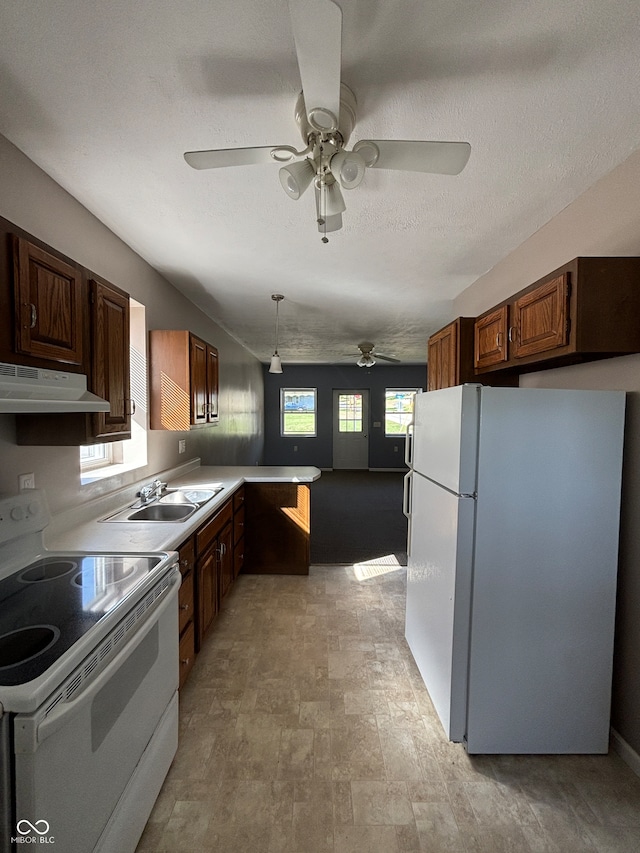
(513, 499)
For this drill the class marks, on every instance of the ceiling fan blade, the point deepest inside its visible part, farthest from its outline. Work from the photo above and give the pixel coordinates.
(317, 32)
(221, 157)
(386, 357)
(440, 158)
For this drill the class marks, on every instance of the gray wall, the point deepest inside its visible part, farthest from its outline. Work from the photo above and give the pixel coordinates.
(603, 221)
(327, 377)
(32, 200)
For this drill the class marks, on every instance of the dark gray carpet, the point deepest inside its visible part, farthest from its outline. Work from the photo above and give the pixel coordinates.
(357, 516)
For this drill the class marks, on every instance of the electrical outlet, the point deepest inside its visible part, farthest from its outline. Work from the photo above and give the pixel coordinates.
(295, 448)
(26, 481)
(395, 448)
(182, 445)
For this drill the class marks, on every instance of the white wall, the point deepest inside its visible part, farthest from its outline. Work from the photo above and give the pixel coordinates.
(36, 203)
(603, 221)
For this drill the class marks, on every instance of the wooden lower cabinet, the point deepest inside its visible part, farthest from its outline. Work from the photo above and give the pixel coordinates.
(186, 605)
(187, 652)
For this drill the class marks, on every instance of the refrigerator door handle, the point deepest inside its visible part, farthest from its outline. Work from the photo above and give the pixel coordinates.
(406, 494)
(408, 445)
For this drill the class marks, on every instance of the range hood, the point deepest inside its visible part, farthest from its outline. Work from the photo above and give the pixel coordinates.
(32, 389)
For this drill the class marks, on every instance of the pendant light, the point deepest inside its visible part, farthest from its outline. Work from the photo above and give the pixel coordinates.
(276, 363)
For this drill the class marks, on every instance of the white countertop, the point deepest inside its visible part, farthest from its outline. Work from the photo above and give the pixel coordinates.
(80, 529)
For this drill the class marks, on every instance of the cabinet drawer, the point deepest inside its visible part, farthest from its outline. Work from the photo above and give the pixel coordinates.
(186, 600)
(187, 556)
(238, 526)
(210, 530)
(187, 653)
(238, 499)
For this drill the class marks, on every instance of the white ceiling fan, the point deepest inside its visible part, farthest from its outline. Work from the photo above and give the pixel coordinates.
(325, 113)
(369, 354)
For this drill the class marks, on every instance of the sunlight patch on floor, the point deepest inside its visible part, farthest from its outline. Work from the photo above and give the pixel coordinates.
(377, 566)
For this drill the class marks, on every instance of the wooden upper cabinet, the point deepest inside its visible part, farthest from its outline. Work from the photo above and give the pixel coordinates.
(110, 358)
(585, 310)
(49, 305)
(450, 355)
(540, 320)
(198, 380)
(212, 384)
(184, 380)
(491, 338)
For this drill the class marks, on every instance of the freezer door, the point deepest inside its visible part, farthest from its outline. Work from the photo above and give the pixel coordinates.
(445, 436)
(438, 597)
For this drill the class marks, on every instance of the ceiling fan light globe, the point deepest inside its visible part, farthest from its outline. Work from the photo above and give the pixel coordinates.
(296, 177)
(349, 168)
(369, 152)
(331, 202)
(366, 360)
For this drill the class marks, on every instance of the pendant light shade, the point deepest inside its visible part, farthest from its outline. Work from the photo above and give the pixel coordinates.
(276, 364)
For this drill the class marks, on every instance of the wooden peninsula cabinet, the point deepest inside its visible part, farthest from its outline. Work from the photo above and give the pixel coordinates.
(184, 380)
(586, 310)
(277, 541)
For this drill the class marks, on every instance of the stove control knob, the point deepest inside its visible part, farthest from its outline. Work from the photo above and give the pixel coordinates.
(33, 508)
(17, 514)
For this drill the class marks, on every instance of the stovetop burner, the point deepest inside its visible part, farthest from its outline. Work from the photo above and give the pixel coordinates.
(48, 605)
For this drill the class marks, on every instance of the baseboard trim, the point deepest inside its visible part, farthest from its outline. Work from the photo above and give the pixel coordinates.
(627, 753)
(390, 470)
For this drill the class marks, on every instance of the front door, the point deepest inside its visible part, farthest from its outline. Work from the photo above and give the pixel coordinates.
(351, 429)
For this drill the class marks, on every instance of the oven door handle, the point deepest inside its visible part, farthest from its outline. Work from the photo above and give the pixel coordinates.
(60, 716)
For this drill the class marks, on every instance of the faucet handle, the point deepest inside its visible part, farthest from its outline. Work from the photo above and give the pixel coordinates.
(159, 486)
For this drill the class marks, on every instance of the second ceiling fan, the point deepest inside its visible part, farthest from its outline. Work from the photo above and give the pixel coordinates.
(325, 113)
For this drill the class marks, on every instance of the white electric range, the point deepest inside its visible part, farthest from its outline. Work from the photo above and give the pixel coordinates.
(88, 687)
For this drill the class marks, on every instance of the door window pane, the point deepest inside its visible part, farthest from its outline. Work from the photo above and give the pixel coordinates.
(350, 413)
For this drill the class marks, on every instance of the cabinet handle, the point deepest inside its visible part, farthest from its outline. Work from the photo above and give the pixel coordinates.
(130, 405)
(513, 334)
(33, 314)
(499, 340)
(184, 562)
(185, 661)
(184, 607)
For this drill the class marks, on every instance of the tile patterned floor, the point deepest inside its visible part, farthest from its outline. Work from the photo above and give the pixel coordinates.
(305, 728)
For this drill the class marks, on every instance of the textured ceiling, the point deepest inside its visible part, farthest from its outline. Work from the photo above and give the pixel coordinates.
(106, 96)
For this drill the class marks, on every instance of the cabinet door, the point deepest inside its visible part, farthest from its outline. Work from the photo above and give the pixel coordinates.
(491, 338)
(446, 357)
(540, 319)
(207, 572)
(225, 556)
(110, 358)
(48, 305)
(434, 370)
(212, 384)
(198, 379)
